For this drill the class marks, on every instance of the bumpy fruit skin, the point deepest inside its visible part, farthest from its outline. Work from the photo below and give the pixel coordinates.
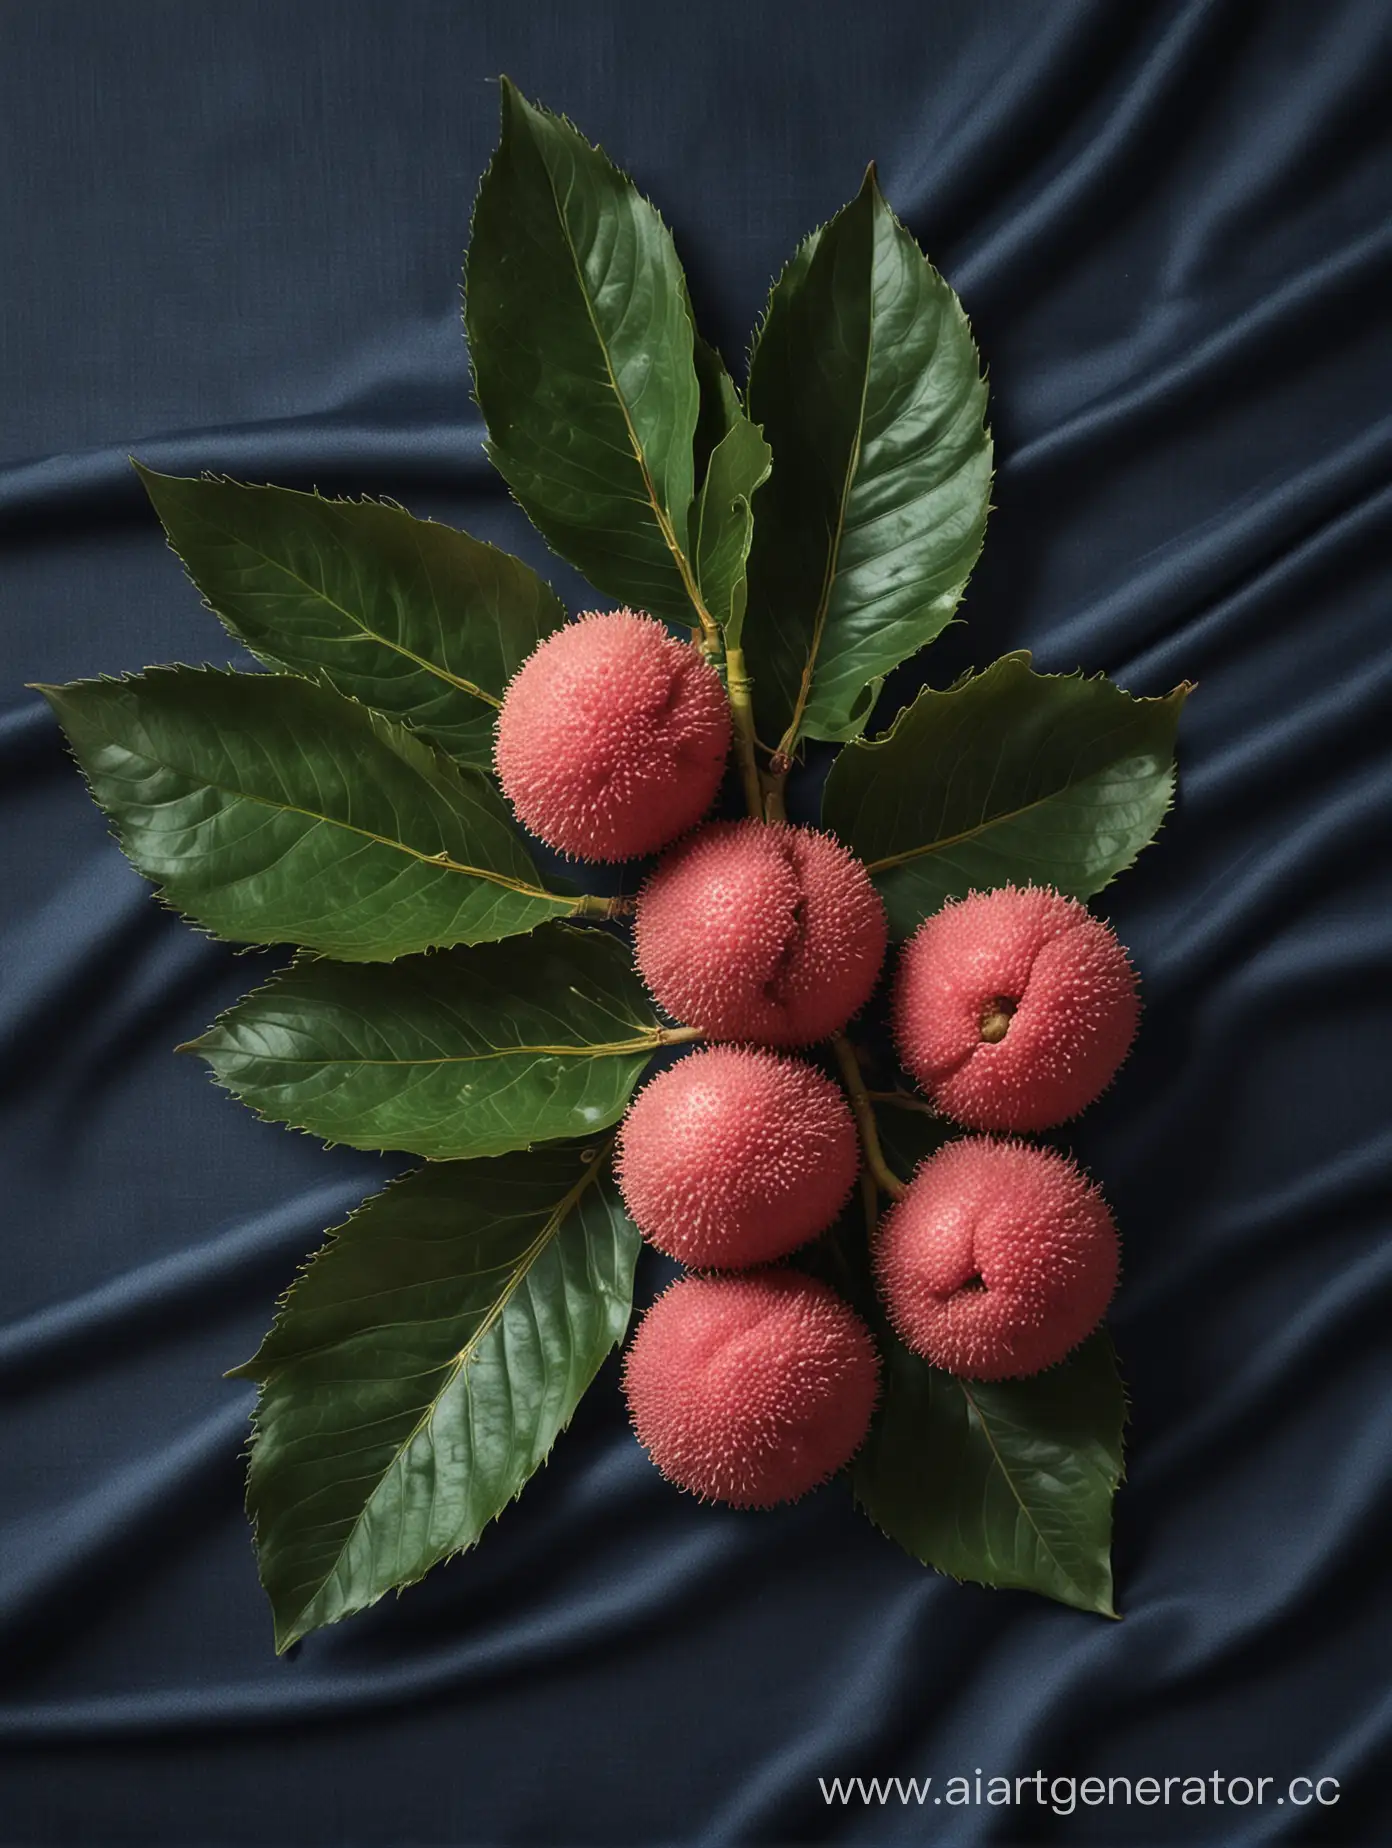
(751, 1389)
(1014, 1008)
(733, 1157)
(998, 1261)
(761, 932)
(612, 737)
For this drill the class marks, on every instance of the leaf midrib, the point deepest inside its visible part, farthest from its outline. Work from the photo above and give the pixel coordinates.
(441, 860)
(1020, 1501)
(555, 1219)
(664, 524)
(789, 738)
(649, 1041)
(983, 826)
(367, 632)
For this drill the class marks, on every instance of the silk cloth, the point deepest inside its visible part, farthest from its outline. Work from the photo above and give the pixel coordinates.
(232, 239)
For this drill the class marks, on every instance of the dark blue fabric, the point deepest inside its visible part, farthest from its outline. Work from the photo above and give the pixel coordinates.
(231, 239)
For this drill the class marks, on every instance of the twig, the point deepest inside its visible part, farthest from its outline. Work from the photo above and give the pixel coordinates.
(884, 1176)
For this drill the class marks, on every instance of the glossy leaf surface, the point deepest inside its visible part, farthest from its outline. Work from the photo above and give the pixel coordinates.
(1007, 1484)
(868, 386)
(270, 809)
(1010, 777)
(414, 618)
(582, 347)
(422, 1367)
(457, 1054)
(723, 523)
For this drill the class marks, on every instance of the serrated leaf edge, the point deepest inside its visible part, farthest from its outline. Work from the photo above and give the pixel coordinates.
(213, 477)
(1179, 693)
(803, 256)
(287, 1635)
(432, 762)
(657, 1037)
(684, 565)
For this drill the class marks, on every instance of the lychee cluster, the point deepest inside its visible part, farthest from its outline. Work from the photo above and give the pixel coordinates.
(752, 1385)
(1013, 1009)
(748, 1381)
(746, 1384)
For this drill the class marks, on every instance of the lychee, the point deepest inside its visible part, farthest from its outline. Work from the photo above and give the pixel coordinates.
(760, 931)
(1014, 1008)
(1000, 1258)
(751, 1389)
(734, 1157)
(612, 737)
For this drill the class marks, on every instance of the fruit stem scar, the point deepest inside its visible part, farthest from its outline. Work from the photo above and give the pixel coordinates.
(995, 1021)
(678, 1036)
(884, 1176)
(740, 688)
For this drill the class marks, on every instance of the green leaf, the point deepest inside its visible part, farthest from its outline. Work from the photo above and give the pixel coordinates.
(463, 1053)
(867, 383)
(723, 523)
(720, 407)
(582, 346)
(414, 618)
(1007, 778)
(270, 809)
(1007, 1484)
(732, 460)
(421, 1368)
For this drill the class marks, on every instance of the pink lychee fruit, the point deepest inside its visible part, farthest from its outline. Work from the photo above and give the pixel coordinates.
(734, 1157)
(760, 931)
(1000, 1258)
(1014, 1008)
(751, 1389)
(612, 737)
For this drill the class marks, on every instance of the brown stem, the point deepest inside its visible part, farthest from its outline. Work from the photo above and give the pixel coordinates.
(592, 905)
(884, 1176)
(679, 1036)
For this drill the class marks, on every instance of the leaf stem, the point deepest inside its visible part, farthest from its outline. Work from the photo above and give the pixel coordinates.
(876, 1166)
(740, 687)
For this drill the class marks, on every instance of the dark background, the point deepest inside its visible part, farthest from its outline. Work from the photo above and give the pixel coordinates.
(231, 238)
